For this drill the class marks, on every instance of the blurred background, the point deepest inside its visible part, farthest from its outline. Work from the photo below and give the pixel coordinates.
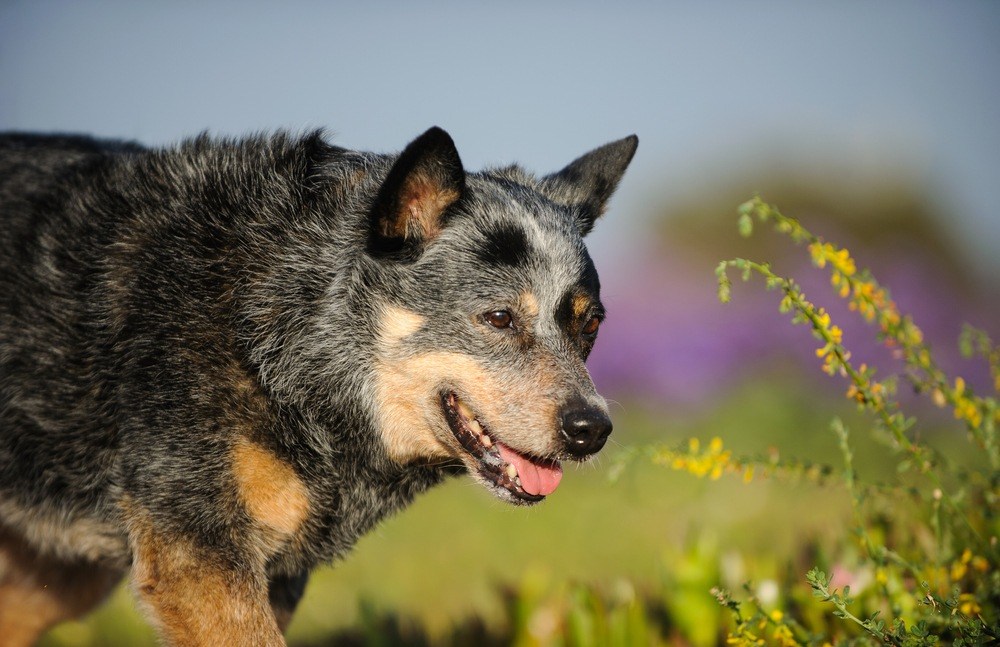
(875, 123)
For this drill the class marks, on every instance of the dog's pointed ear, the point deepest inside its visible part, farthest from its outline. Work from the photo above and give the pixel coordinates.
(409, 210)
(588, 182)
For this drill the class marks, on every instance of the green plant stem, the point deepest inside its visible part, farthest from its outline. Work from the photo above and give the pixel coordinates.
(894, 422)
(916, 358)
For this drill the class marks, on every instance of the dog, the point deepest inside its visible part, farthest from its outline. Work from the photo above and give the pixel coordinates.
(221, 363)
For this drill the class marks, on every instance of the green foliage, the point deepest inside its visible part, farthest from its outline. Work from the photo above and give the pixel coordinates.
(928, 530)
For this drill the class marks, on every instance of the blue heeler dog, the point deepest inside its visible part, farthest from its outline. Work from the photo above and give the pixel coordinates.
(221, 363)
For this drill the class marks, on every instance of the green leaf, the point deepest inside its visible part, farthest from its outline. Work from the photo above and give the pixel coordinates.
(965, 342)
(725, 287)
(745, 225)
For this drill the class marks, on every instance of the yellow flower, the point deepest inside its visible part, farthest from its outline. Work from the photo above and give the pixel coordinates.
(842, 261)
(961, 566)
(713, 462)
(818, 256)
(911, 335)
(968, 605)
(854, 394)
(966, 409)
(823, 319)
(783, 634)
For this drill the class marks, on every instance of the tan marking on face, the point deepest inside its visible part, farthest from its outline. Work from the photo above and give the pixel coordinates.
(409, 406)
(191, 596)
(397, 324)
(529, 304)
(269, 488)
(581, 302)
(520, 410)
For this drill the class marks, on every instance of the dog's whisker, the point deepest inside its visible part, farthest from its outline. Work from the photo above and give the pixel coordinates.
(615, 403)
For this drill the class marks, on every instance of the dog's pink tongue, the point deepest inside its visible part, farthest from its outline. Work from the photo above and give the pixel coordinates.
(537, 477)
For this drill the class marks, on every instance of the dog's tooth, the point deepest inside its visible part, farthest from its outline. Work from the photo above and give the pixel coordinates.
(476, 428)
(511, 471)
(464, 410)
(486, 441)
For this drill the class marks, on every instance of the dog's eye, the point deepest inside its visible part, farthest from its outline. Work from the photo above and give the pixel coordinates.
(590, 328)
(499, 319)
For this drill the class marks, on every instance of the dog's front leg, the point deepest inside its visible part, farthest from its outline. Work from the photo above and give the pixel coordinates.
(285, 591)
(197, 597)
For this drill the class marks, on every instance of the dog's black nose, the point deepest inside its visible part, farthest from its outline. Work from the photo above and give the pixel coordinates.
(585, 428)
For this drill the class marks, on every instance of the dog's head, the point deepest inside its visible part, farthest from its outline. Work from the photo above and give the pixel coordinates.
(494, 309)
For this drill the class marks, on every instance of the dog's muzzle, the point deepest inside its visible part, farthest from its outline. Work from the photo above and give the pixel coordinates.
(585, 428)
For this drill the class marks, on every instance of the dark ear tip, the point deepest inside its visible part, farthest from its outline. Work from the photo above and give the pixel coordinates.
(437, 136)
(631, 143)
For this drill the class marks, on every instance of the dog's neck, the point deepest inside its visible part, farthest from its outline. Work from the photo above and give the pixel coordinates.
(349, 497)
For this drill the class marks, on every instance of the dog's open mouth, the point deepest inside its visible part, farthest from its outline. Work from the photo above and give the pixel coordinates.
(527, 478)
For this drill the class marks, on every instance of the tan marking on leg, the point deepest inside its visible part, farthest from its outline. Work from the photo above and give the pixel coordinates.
(192, 598)
(269, 488)
(283, 617)
(397, 324)
(38, 591)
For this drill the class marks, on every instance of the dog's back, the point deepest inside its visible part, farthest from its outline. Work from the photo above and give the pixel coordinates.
(55, 446)
(60, 545)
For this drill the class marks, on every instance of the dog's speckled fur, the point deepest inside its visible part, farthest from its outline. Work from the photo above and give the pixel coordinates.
(222, 363)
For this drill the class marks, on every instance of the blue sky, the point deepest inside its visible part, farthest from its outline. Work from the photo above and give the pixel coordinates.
(910, 86)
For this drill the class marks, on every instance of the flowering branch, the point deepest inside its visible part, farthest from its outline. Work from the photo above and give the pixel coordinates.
(873, 302)
(956, 572)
